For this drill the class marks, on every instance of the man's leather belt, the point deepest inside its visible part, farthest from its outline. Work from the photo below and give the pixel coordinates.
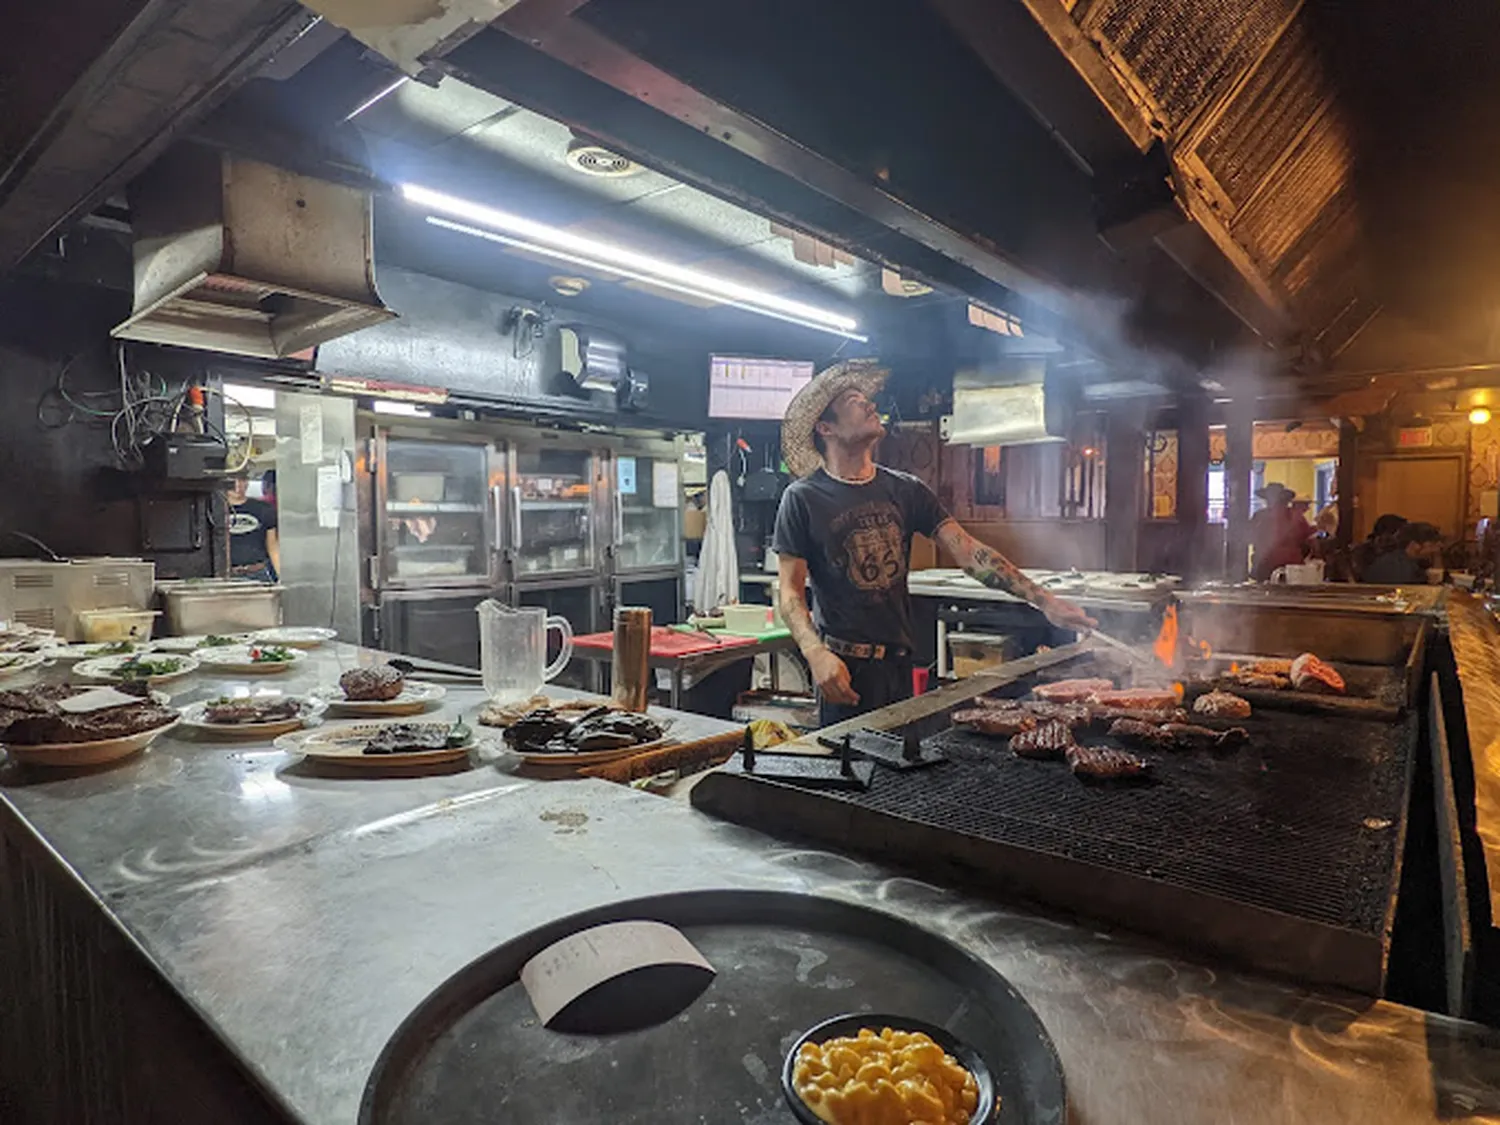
(865, 651)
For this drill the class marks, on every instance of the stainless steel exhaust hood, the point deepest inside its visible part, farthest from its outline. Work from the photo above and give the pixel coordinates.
(1010, 403)
(232, 255)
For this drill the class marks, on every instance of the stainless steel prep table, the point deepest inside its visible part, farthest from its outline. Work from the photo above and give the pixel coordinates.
(301, 921)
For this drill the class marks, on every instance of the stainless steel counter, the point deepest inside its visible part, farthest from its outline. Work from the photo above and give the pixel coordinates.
(302, 918)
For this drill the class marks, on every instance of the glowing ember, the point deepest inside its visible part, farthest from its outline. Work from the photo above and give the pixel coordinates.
(1165, 646)
(1179, 691)
(1234, 667)
(1205, 649)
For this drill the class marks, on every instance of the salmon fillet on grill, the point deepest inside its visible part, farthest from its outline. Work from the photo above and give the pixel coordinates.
(1104, 762)
(1311, 674)
(1071, 691)
(1049, 740)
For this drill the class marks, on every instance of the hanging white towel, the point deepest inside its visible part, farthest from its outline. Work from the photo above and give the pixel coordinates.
(718, 565)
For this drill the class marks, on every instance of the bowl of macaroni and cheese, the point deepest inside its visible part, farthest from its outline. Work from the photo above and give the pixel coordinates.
(871, 1069)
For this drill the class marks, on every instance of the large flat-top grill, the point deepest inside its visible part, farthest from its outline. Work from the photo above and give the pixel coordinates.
(1283, 854)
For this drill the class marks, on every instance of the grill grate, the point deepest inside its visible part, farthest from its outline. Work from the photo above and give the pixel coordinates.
(1305, 820)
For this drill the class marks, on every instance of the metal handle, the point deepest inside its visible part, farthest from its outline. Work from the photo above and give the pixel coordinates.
(515, 517)
(619, 517)
(497, 536)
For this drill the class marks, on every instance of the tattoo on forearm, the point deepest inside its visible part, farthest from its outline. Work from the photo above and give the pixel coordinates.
(999, 573)
(799, 621)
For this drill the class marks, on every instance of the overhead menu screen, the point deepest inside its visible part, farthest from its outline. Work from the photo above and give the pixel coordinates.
(741, 387)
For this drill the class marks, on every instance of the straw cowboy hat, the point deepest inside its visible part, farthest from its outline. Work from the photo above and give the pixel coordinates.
(797, 448)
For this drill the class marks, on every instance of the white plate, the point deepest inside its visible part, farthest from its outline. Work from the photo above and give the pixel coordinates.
(195, 642)
(416, 696)
(295, 636)
(87, 753)
(14, 663)
(344, 746)
(239, 660)
(91, 650)
(107, 668)
(193, 719)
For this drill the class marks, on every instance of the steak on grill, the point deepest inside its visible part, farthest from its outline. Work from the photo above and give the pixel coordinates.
(1004, 722)
(369, 684)
(1071, 691)
(1272, 667)
(1104, 762)
(1140, 699)
(1102, 717)
(31, 717)
(1189, 737)
(1049, 740)
(1138, 733)
(1265, 681)
(1221, 705)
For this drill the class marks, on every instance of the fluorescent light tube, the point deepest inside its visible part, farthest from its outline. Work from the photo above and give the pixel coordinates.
(539, 238)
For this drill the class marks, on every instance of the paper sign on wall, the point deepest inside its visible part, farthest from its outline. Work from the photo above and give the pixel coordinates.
(626, 475)
(330, 496)
(310, 430)
(665, 492)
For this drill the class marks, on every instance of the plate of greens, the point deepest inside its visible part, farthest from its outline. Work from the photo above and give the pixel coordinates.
(250, 660)
(136, 668)
(199, 641)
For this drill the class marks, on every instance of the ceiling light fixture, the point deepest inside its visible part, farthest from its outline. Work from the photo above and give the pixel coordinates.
(1479, 416)
(554, 242)
(375, 97)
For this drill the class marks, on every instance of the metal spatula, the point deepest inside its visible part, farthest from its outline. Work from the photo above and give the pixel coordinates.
(1131, 651)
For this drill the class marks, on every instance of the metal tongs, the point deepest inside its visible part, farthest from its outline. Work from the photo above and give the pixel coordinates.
(1115, 643)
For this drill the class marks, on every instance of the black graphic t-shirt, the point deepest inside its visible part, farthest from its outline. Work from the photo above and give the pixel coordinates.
(856, 539)
(249, 521)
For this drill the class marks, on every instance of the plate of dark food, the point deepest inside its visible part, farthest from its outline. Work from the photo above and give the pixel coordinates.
(79, 725)
(380, 689)
(254, 659)
(143, 668)
(382, 745)
(867, 1067)
(548, 736)
(252, 716)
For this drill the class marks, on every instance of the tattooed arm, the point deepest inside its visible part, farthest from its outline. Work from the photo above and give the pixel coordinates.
(999, 573)
(830, 673)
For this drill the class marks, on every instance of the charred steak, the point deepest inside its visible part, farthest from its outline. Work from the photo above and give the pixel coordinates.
(1189, 737)
(1264, 681)
(232, 711)
(1101, 718)
(415, 738)
(1138, 699)
(1049, 740)
(993, 720)
(1104, 762)
(1071, 691)
(31, 717)
(1137, 733)
(1221, 705)
(372, 684)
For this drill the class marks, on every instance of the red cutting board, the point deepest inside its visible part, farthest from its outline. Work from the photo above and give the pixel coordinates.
(667, 642)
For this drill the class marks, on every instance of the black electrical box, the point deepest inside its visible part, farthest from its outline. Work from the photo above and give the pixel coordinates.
(186, 457)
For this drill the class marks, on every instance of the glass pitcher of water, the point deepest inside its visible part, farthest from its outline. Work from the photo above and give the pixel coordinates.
(513, 649)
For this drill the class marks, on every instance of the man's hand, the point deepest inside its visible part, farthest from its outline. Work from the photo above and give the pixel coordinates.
(832, 677)
(1066, 615)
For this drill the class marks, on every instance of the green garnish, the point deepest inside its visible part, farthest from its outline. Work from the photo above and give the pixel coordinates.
(113, 648)
(213, 640)
(271, 654)
(459, 735)
(144, 667)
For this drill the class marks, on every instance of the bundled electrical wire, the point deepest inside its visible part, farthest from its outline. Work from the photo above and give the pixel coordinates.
(142, 408)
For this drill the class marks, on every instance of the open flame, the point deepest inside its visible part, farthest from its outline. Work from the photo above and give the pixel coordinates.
(1234, 667)
(1205, 650)
(1179, 691)
(1165, 645)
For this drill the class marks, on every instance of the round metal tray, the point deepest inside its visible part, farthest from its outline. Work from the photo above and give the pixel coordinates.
(474, 1052)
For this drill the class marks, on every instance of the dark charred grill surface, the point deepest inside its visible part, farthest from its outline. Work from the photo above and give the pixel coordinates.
(1280, 822)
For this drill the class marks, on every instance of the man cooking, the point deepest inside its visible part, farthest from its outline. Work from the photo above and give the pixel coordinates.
(847, 525)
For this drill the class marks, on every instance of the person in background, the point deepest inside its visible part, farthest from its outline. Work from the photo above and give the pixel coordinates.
(254, 546)
(1407, 557)
(1382, 538)
(1278, 533)
(846, 525)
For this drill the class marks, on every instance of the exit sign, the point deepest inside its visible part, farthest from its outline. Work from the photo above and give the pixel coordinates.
(1414, 437)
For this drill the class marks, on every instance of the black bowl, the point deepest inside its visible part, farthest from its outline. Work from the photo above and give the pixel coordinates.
(849, 1025)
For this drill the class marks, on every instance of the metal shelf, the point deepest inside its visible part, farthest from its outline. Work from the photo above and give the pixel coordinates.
(552, 505)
